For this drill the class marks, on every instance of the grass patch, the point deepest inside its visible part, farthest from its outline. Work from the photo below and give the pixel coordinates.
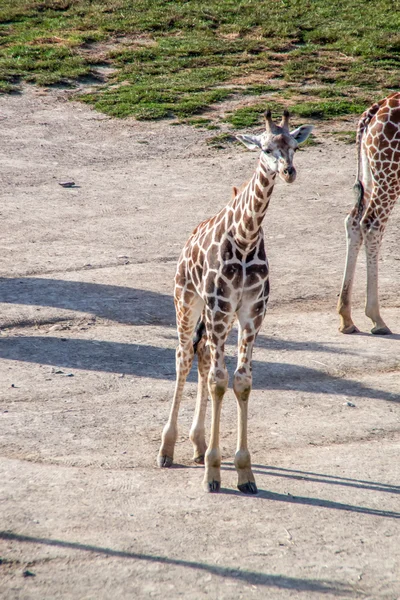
(348, 137)
(326, 109)
(201, 123)
(252, 116)
(151, 104)
(223, 140)
(258, 89)
(175, 58)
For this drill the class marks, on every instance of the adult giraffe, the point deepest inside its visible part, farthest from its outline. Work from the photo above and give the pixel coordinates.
(223, 274)
(377, 187)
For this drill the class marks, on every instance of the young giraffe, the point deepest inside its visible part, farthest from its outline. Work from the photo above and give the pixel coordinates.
(223, 274)
(377, 187)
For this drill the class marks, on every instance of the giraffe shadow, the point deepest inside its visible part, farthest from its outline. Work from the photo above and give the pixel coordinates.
(318, 502)
(154, 362)
(266, 580)
(368, 334)
(311, 477)
(126, 305)
(116, 303)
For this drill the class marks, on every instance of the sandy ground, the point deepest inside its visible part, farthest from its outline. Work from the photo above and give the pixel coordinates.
(87, 370)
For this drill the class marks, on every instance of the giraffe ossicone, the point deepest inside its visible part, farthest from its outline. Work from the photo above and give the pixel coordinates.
(377, 189)
(223, 275)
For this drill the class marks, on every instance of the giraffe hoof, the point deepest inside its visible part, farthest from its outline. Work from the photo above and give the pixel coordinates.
(248, 488)
(199, 460)
(213, 486)
(349, 329)
(164, 461)
(381, 331)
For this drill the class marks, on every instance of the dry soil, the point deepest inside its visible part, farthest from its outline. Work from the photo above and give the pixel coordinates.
(87, 372)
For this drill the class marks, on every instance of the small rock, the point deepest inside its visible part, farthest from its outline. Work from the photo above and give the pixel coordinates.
(27, 573)
(66, 184)
(349, 404)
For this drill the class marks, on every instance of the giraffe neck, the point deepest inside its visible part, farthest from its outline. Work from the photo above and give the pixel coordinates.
(250, 205)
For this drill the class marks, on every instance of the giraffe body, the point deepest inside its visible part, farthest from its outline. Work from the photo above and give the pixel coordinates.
(223, 275)
(377, 188)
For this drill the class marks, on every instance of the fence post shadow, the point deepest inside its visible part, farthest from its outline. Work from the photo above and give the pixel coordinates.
(252, 577)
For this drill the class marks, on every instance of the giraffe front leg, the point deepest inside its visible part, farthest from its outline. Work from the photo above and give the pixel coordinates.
(354, 241)
(373, 238)
(217, 385)
(197, 431)
(242, 385)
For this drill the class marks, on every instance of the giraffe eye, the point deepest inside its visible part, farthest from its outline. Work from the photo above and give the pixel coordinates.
(267, 151)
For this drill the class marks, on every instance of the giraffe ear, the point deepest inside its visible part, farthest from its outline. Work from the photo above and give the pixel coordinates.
(252, 142)
(301, 133)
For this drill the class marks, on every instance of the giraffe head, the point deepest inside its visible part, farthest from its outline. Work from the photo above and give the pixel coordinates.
(278, 145)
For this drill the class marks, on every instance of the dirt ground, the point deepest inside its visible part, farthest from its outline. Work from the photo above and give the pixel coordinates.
(87, 372)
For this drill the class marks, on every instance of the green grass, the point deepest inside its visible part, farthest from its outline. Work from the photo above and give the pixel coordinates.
(325, 109)
(175, 58)
(201, 123)
(221, 141)
(348, 137)
(250, 116)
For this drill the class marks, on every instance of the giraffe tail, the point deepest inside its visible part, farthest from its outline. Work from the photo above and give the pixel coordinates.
(358, 190)
(199, 332)
(363, 123)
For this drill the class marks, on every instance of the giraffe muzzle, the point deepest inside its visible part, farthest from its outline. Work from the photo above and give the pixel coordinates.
(288, 174)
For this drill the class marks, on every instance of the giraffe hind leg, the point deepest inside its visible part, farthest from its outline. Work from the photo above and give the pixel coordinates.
(354, 241)
(362, 189)
(197, 431)
(372, 239)
(187, 317)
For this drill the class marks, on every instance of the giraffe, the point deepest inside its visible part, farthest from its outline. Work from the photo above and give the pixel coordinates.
(223, 274)
(377, 188)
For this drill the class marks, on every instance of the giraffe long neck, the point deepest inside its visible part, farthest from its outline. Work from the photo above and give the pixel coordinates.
(250, 206)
